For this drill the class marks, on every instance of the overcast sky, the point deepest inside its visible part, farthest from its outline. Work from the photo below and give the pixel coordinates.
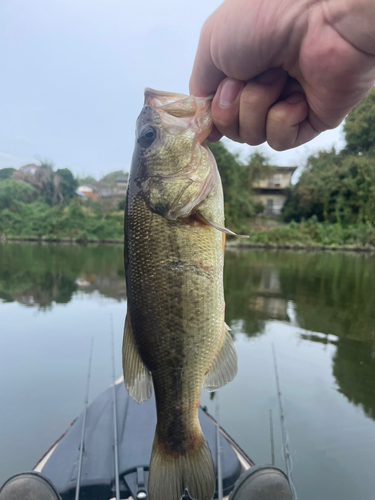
(73, 74)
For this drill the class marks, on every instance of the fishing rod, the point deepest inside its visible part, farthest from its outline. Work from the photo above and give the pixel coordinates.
(284, 433)
(272, 440)
(78, 485)
(218, 450)
(114, 406)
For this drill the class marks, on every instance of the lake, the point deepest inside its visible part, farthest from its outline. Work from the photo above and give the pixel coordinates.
(316, 310)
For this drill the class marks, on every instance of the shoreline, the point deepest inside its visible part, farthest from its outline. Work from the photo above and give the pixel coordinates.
(233, 245)
(230, 244)
(69, 241)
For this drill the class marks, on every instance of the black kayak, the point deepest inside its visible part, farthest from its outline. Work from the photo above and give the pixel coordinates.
(62, 464)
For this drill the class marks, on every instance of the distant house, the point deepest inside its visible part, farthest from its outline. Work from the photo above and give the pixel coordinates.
(271, 190)
(87, 191)
(121, 185)
(107, 193)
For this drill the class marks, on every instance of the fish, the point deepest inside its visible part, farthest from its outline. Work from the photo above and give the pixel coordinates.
(175, 336)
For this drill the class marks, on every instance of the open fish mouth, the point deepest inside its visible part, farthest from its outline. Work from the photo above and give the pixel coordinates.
(179, 111)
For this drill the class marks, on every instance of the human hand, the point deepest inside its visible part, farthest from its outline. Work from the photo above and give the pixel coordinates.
(284, 70)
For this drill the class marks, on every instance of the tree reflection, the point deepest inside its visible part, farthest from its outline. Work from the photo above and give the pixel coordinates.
(331, 293)
(40, 275)
(354, 370)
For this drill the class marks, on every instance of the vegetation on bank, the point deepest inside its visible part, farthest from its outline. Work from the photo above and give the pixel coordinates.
(79, 220)
(332, 203)
(311, 233)
(37, 202)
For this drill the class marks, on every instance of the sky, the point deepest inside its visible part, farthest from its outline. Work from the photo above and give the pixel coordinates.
(73, 74)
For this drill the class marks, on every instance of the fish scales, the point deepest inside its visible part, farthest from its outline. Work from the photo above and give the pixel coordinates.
(175, 327)
(173, 277)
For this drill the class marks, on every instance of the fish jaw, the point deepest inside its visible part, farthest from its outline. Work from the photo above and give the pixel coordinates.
(175, 172)
(182, 111)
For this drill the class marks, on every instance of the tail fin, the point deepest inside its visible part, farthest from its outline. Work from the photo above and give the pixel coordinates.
(170, 476)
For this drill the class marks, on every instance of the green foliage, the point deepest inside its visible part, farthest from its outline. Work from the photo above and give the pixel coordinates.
(5, 173)
(237, 179)
(12, 192)
(340, 187)
(313, 233)
(359, 127)
(334, 187)
(238, 206)
(257, 168)
(109, 180)
(68, 184)
(121, 204)
(75, 221)
(39, 275)
(87, 180)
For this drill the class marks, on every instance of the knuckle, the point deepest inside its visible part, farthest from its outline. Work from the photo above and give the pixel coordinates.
(253, 141)
(278, 145)
(252, 135)
(279, 139)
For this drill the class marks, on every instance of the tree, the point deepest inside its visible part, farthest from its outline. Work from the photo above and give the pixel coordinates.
(237, 178)
(312, 195)
(238, 206)
(334, 187)
(359, 127)
(41, 178)
(52, 186)
(7, 172)
(68, 184)
(109, 180)
(257, 167)
(12, 191)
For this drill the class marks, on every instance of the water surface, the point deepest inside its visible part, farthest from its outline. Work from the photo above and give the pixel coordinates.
(316, 309)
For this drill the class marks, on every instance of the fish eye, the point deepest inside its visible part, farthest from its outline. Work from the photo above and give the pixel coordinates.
(147, 136)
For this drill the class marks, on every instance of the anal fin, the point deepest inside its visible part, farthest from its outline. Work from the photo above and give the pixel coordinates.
(137, 378)
(225, 366)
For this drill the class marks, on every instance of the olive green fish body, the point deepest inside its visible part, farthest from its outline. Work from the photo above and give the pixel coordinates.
(175, 327)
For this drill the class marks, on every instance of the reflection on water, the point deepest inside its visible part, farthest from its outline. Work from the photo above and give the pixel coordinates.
(331, 293)
(354, 370)
(39, 275)
(317, 308)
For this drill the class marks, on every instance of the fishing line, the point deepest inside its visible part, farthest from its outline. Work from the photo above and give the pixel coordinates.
(284, 433)
(114, 406)
(78, 485)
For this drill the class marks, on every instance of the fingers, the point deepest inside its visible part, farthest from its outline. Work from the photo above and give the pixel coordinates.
(287, 125)
(268, 108)
(240, 111)
(205, 76)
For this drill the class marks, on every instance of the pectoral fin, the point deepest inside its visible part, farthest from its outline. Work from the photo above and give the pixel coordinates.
(224, 368)
(137, 378)
(200, 216)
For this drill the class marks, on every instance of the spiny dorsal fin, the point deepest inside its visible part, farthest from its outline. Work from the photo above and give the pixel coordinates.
(225, 367)
(137, 378)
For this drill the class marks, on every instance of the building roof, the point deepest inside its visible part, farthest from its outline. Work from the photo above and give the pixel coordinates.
(122, 179)
(86, 188)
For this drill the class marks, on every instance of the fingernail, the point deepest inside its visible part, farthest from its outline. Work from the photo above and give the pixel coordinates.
(229, 92)
(296, 98)
(270, 76)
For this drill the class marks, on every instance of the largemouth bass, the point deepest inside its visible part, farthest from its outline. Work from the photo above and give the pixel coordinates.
(175, 336)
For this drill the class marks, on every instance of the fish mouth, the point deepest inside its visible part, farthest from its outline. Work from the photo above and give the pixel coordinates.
(180, 111)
